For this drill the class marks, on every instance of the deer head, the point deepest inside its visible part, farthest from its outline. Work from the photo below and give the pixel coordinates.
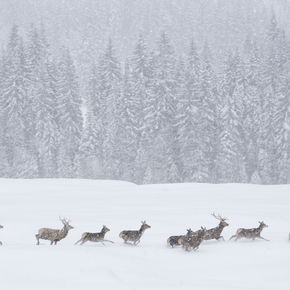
(66, 223)
(145, 225)
(189, 232)
(262, 225)
(105, 229)
(221, 219)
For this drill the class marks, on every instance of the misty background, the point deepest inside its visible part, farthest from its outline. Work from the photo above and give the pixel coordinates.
(145, 91)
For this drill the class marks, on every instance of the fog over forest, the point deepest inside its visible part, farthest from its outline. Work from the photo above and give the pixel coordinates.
(146, 91)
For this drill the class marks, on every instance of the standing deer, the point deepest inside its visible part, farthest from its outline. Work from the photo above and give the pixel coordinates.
(215, 233)
(95, 237)
(250, 233)
(54, 235)
(134, 236)
(1, 227)
(193, 241)
(173, 240)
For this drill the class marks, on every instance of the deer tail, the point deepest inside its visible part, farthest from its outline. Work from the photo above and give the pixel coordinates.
(84, 235)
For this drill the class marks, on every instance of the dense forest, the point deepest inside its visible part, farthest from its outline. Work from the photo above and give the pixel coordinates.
(173, 91)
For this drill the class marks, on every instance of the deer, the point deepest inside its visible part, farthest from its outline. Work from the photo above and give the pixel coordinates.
(250, 233)
(185, 239)
(1, 227)
(134, 236)
(173, 240)
(215, 233)
(193, 241)
(54, 235)
(94, 237)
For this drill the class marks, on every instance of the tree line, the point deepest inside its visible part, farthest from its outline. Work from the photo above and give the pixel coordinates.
(159, 116)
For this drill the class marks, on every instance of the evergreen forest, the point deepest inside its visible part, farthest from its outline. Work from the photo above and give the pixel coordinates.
(186, 91)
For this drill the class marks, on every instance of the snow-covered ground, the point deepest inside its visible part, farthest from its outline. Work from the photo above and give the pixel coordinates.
(27, 205)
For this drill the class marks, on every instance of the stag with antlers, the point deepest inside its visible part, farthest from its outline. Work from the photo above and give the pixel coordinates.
(215, 233)
(54, 235)
(250, 233)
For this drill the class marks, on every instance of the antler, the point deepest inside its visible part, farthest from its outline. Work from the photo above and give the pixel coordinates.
(64, 221)
(219, 217)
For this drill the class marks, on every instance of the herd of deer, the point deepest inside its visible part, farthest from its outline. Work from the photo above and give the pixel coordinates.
(190, 241)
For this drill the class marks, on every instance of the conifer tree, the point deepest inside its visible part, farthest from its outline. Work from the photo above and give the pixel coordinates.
(15, 103)
(110, 84)
(69, 116)
(208, 141)
(161, 110)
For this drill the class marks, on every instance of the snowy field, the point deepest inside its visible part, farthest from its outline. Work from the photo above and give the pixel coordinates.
(27, 205)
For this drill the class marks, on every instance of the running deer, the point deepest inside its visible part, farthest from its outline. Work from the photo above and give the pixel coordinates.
(215, 233)
(134, 236)
(193, 241)
(54, 235)
(185, 239)
(250, 233)
(1, 227)
(95, 237)
(173, 240)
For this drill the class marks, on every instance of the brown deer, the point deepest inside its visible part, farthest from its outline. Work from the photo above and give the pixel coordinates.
(95, 237)
(193, 242)
(134, 236)
(250, 233)
(54, 235)
(215, 233)
(1, 227)
(173, 240)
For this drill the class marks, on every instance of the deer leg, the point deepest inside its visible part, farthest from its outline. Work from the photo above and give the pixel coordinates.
(78, 241)
(84, 241)
(0, 243)
(263, 238)
(233, 237)
(128, 243)
(108, 241)
(37, 238)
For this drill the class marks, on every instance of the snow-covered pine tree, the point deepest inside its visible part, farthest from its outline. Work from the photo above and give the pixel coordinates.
(4, 166)
(161, 110)
(209, 131)
(16, 108)
(41, 119)
(110, 91)
(252, 107)
(187, 117)
(69, 115)
(281, 115)
(270, 78)
(88, 157)
(138, 82)
(230, 159)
